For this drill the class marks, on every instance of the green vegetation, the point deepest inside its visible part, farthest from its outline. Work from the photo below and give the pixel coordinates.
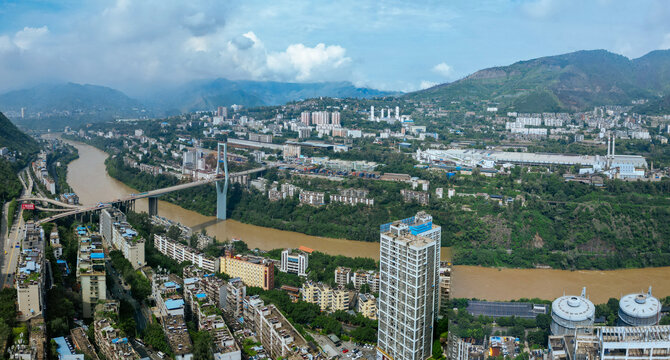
(578, 80)
(154, 336)
(7, 314)
(11, 211)
(15, 140)
(10, 186)
(140, 287)
(202, 345)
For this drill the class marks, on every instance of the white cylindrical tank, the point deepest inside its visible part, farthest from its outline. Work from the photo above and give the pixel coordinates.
(639, 309)
(568, 312)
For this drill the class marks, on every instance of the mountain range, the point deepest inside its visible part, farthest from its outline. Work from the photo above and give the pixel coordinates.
(49, 105)
(573, 81)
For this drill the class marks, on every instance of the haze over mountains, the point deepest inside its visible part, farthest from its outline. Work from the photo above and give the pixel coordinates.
(99, 102)
(573, 81)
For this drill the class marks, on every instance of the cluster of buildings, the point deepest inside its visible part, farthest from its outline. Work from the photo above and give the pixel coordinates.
(327, 298)
(202, 240)
(170, 314)
(40, 170)
(30, 279)
(117, 232)
(204, 295)
(316, 198)
(111, 340)
(344, 276)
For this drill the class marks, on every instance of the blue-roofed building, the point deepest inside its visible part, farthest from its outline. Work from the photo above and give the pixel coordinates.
(65, 350)
(118, 232)
(29, 278)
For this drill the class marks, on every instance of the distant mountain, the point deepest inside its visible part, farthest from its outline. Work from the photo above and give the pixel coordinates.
(573, 81)
(208, 94)
(14, 139)
(56, 106)
(69, 97)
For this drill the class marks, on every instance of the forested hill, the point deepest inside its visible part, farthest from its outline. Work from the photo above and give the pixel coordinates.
(14, 139)
(573, 81)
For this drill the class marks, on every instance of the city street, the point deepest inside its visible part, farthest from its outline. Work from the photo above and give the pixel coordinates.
(9, 255)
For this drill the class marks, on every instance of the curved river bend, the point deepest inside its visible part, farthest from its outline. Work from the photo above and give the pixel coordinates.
(89, 179)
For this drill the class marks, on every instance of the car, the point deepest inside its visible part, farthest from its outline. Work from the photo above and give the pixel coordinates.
(344, 351)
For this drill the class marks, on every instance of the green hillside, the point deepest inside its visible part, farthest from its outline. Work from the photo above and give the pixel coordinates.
(574, 81)
(14, 139)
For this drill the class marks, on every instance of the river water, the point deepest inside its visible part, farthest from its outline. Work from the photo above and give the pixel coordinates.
(89, 179)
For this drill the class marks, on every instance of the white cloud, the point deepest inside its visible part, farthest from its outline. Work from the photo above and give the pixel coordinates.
(25, 38)
(426, 84)
(443, 69)
(304, 63)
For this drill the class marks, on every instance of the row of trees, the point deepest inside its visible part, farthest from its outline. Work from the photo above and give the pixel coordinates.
(140, 287)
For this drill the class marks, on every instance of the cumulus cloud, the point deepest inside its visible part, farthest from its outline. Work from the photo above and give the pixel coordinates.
(443, 69)
(29, 36)
(116, 46)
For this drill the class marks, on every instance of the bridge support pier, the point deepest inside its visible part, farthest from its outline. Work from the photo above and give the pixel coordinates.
(222, 190)
(153, 206)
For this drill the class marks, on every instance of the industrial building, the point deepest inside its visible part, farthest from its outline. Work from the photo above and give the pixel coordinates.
(568, 312)
(409, 287)
(612, 343)
(639, 309)
(497, 309)
(620, 166)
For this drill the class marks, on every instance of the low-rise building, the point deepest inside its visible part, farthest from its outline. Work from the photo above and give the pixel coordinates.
(294, 262)
(181, 253)
(111, 340)
(367, 306)
(327, 298)
(370, 277)
(419, 196)
(275, 333)
(342, 275)
(313, 198)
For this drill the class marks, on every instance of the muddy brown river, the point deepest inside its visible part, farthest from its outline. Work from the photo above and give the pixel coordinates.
(89, 179)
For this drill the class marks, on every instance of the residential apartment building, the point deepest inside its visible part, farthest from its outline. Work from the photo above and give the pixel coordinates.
(205, 312)
(111, 340)
(30, 284)
(180, 252)
(327, 298)
(90, 270)
(367, 306)
(342, 275)
(313, 198)
(213, 286)
(116, 231)
(445, 286)
(419, 196)
(290, 151)
(165, 293)
(294, 262)
(235, 292)
(275, 333)
(253, 271)
(369, 277)
(409, 287)
(54, 239)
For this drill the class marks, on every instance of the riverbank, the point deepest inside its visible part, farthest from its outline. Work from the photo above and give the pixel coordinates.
(87, 176)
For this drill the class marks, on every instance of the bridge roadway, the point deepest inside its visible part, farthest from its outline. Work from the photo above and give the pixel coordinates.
(149, 194)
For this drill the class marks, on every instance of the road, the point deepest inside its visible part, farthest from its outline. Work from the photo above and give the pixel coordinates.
(9, 255)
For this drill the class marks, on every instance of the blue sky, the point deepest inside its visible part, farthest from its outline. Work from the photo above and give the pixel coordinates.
(138, 45)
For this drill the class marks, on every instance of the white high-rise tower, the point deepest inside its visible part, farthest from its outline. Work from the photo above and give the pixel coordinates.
(372, 112)
(409, 288)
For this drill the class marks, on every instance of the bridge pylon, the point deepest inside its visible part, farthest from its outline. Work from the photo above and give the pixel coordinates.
(221, 190)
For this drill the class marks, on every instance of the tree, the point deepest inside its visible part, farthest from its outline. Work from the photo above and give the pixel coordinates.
(174, 233)
(437, 349)
(202, 345)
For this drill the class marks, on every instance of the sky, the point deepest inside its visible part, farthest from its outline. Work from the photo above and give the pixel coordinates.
(138, 46)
